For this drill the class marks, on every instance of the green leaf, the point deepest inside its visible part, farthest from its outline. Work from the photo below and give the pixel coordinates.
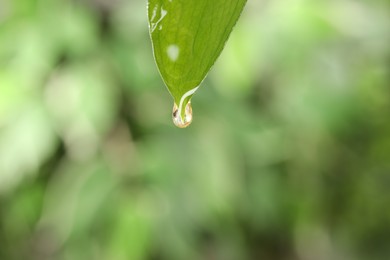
(187, 37)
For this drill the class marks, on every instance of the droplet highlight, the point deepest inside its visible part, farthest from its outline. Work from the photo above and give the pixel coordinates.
(182, 119)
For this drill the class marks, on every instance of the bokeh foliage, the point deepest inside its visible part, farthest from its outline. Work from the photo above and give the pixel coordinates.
(288, 156)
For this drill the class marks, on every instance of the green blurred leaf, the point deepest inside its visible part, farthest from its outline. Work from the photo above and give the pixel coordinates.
(188, 37)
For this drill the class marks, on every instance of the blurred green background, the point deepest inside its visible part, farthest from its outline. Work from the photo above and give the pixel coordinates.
(288, 157)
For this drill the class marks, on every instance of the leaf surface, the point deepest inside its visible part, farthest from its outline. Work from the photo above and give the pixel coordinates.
(187, 38)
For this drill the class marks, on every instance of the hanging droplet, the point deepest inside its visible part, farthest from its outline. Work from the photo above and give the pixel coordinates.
(182, 119)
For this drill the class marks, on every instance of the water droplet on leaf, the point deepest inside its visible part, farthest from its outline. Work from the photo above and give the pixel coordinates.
(187, 37)
(182, 118)
(173, 52)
